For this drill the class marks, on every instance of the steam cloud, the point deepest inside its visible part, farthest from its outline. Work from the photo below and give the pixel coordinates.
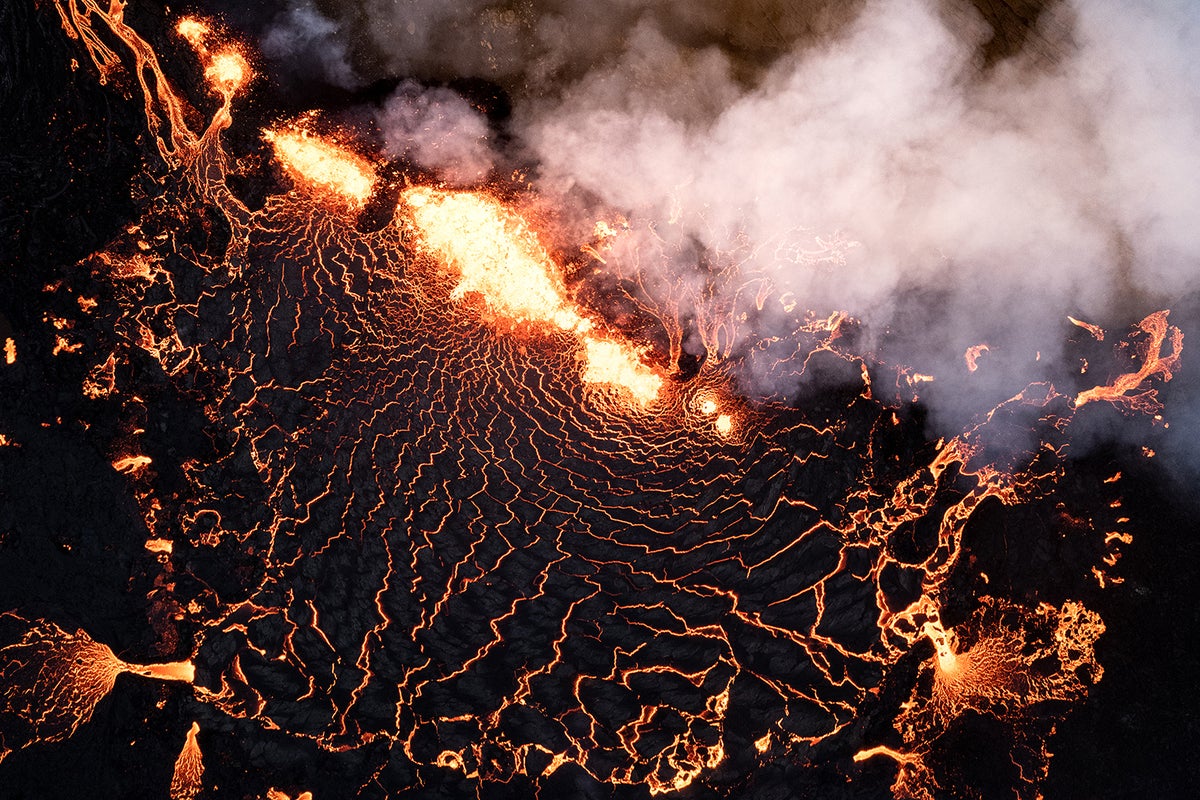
(987, 200)
(438, 130)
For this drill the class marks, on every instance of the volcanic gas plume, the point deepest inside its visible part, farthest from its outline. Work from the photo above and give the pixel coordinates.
(606, 477)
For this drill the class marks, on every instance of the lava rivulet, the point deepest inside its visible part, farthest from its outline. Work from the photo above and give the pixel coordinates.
(452, 520)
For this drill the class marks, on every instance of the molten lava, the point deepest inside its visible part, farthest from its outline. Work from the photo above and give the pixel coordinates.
(614, 364)
(228, 73)
(53, 680)
(495, 254)
(323, 167)
(1128, 390)
(195, 31)
(187, 782)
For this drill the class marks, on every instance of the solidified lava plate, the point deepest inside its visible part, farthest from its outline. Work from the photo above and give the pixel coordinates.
(406, 509)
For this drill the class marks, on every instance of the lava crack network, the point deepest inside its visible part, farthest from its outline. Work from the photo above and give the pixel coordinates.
(459, 518)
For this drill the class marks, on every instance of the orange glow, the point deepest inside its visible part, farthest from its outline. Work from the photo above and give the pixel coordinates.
(1124, 389)
(496, 255)
(882, 750)
(186, 783)
(1096, 332)
(10, 351)
(131, 464)
(617, 365)
(702, 549)
(228, 72)
(972, 356)
(54, 679)
(183, 671)
(193, 30)
(64, 345)
(322, 166)
(101, 379)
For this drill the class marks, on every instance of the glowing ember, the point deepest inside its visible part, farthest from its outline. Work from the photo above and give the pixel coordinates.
(496, 255)
(10, 351)
(618, 365)
(322, 166)
(131, 464)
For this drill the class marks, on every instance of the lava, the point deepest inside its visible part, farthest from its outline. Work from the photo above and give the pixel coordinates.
(495, 254)
(195, 31)
(614, 364)
(973, 354)
(187, 782)
(228, 72)
(411, 538)
(1129, 389)
(54, 680)
(322, 166)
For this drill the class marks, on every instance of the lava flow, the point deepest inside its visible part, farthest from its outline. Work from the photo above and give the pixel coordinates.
(497, 256)
(439, 523)
(54, 680)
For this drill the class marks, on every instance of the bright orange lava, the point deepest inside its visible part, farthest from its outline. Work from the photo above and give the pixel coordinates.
(55, 679)
(322, 166)
(193, 30)
(615, 364)
(186, 783)
(228, 72)
(498, 257)
(1126, 390)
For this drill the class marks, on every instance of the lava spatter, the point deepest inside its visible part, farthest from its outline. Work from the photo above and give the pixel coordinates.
(451, 521)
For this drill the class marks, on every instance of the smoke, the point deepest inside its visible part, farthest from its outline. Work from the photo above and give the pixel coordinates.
(902, 160)
(309, 44)
(437, 130)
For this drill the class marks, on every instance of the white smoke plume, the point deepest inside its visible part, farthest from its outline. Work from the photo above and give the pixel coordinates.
(987, 201)
(438, 130)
